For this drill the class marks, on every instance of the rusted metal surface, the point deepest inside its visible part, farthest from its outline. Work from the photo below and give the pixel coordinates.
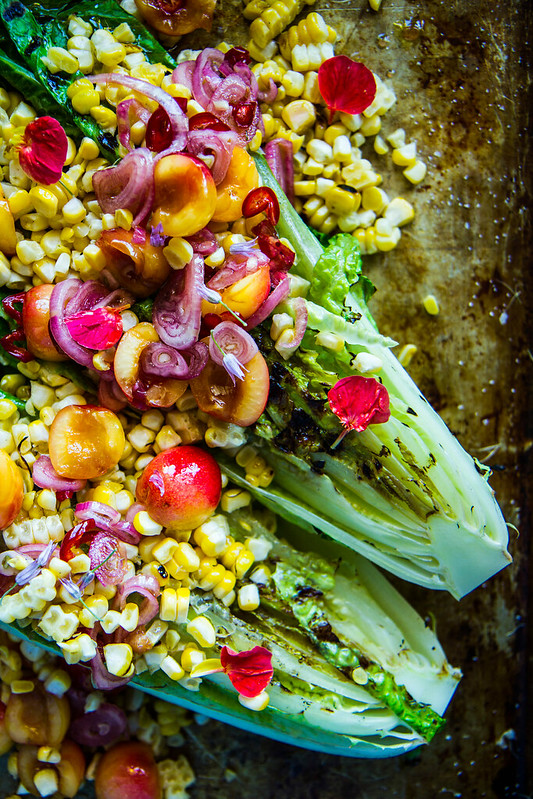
(459, 70)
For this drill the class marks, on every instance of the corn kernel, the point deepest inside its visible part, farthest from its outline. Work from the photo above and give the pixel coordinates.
(172, 668)
(431, 305)
(202, 630)
(191, 657)
(405, 155)
(118, 658)
(258, 703)
(248, 597)
(406, 354)
(416, 173)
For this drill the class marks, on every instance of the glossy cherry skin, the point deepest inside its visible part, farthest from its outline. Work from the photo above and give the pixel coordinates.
(35, 319)
(128, 771)
(180, 487)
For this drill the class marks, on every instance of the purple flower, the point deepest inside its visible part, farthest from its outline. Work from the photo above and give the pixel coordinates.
(86, 580)
(34, 568)
(157, 237)
(71, 587)
(244, 248)
(209, 294)
(233, 367)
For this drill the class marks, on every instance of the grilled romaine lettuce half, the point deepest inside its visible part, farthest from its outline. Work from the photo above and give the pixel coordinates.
(405, 493)
(356, 670)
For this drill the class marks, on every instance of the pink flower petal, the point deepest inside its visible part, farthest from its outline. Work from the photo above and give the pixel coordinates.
(97, 330)
(346, 85)
(359, 401)
(43, 151)
(250, 672)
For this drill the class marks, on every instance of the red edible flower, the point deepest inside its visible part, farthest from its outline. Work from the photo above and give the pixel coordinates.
(43, 151)
(346, 85)
(358, 402)
(250, 672)
(97, 330)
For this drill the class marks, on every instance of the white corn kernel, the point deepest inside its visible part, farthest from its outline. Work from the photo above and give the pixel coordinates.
(365, 362)
(202, 630)
(118, 658)
(248, 597)
(259, 702)
(416, 173)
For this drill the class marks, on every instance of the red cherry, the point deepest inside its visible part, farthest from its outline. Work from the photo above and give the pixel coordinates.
(180, 487)
(129, 770)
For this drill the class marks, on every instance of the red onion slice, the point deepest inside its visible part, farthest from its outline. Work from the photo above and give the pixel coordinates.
(149, 588)
(161, 360)
(183, 74)
(279, 156)
(102, 679)
(45, 476)
(277, 295)
(204, 242)
(126, 110)
(299, 306)
(108, 558)
(129, 184)
(220, 145)
(205, 77)
(178, 119)
(268, 95)
(177, 307)
(108, 520)
(101, 727)
(111, 396)
(232, 340)
(61, 296)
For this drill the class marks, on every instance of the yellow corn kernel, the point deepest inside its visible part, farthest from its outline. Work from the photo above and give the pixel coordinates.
(407, 352)
(105, 117)
(105, 495)
(242, 563)
(248, 597)
(183, 596)
(166, 438)
(172, 668)
(404, 155)
(374, 199)
(340, 201)
(144, 524)
(74, 211)
(186, 558)
(212, 577)
(85, 99)
(58, 59)
(96, 608)
(299, 115)
(234, 499)
(178, 252)
(169, 605)
(399, 212)
(202, 630)
(123, 218)
(416, 173)
(258, 703)
(165, 550)
(371, 126)
(431, 305)
(191, 657)
(118, 658)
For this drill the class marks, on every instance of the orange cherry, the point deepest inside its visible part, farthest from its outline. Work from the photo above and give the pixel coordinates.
(185, 195)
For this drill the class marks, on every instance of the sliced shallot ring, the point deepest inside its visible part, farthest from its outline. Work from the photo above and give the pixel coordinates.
(129, 184)
(108, 520)
(279, 156)
(232, 340)
(178, 120)
(60, 298)
(218, 145)
(299, 307)
(162, 361)
(204, 78)
(177, 307)
(149, 588)
(124, 110)
(277, 295)
(183, 74)
(45, 476)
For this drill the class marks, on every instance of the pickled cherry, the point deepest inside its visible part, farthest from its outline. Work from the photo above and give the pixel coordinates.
(85, 441)
(11, 490)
